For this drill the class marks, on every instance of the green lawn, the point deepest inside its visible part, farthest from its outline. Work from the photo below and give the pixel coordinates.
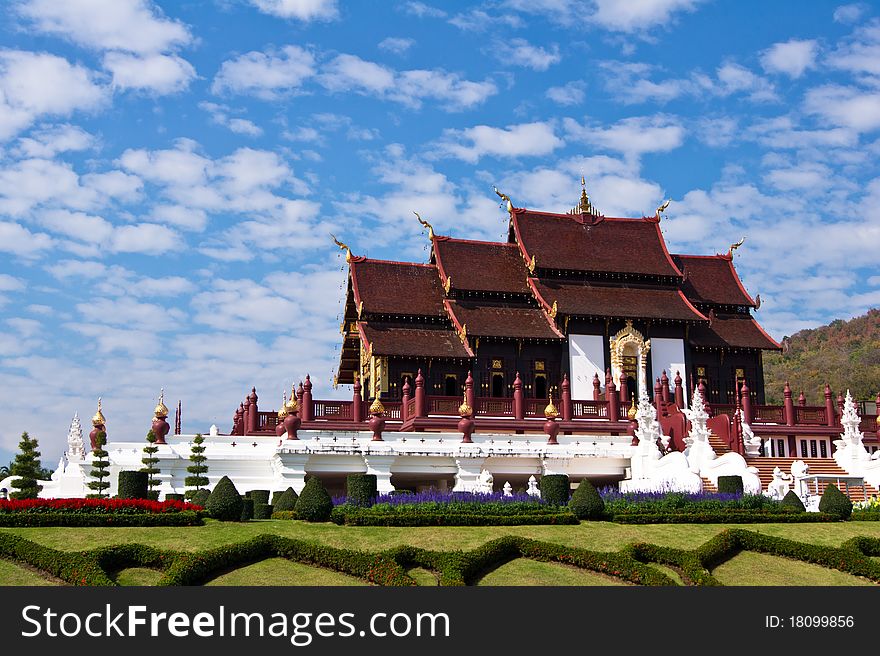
(750, 568)
(523, 571)
(283, 572)
(138, 576)
(12, 574)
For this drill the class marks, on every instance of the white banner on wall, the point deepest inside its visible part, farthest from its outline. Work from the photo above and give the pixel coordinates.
(586, 355)
(668, 354)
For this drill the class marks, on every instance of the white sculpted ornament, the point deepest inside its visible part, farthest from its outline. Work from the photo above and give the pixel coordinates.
(533, 490)
(751, 441)
(697, 447)
(851, 452)
(485, 482)
(507, 489)
(648, 431)
(780, 485)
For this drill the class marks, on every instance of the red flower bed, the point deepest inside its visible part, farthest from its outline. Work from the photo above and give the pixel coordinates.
(94, 506)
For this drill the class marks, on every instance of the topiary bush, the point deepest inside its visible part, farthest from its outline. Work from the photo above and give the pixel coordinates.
(247, 509)
(276, 495)
(730, 484)
(793, 501)
(314, 503)
(132, 485)
(555, 489)
(586, 503)
(175, 497)
(835, 502)
(262, 511)
(361, 489)
(200, 497)
(286, 500)
(259, 496)
(224, 503)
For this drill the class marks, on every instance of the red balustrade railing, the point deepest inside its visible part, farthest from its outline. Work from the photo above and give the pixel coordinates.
(868, 425)
(392, 409)
(443, 405)
(332, 410)
(807, 414)
(535, 407)
(411, 408)
(723, 409)
(267, 421)
(589, 410)
(768, 414)
(494, 407)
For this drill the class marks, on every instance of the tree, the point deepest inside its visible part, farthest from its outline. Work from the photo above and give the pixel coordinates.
(150, 461)
(27, 467)
(198, 468)
(100, 465)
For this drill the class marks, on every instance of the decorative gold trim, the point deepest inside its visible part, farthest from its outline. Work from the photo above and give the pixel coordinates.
(161, 410)
(360, 309)
(462, 333)
(733, 247)
(464, 410)
(633, 411)
(98, 419)
(662, 209)
(629, 335)
(504, 197)
(550, 411)
(425, 224)
(533, 263)
(553, 310)
(448, 284)
(342, 246)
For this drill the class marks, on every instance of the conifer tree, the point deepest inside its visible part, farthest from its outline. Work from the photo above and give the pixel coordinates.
(27, 466)
(198, 468)
(100, 465)
(150, 460)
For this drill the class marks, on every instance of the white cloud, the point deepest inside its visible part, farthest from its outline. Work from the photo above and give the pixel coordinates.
(422, 10)
(76, 225)
(114, 184)
(304, 10)
(265, 75)
(128, 25)
(638, 15)
(28, 183)
(805, 178)
(18, 240)
(180, 216)
(180, 165)
(34, 84)
(783, 133)
(10, 284)
(631, 136)
(523, 140)
(115, 280)
(220, 116)
(160, 74)
(519, 52)
(49, 141)
(791, 57)
(850, 13)
(571, 93)
(861, 52)
(147, 238)
(396, 45)
(845, 106)
(717, 132)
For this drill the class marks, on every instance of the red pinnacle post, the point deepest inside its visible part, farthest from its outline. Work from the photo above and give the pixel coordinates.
(596, 385)
(679, 391)
(788, 405)
(567, 410)
(829, 406)
(746, 404)
(404, 400)
(307, 407)
(420, 395)
(470, 395)
(357, 404)
(519, 411)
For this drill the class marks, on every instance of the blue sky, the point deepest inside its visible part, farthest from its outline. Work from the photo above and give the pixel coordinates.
(170, 171)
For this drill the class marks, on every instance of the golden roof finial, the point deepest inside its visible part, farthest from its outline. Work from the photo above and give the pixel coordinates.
(377, 408)
(550, 410)
(662, 209)
(292, 404)
(465, 410)
(504, 197)
(283, 412)
(425, 224)
(161, 411)
(98, 419)
(584, 206)
(342, 246)
(633, 411)
(733, 247)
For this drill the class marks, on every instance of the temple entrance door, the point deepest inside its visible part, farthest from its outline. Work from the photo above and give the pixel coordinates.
(451, 386)
(540, 386)
(630, 367)
(497, 384)
(631, 389)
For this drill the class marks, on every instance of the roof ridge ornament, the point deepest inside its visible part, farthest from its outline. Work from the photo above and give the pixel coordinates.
(425, 224)
(662, 209)
(343, 246)
(584, 206)
(733, 247)
(504, 197)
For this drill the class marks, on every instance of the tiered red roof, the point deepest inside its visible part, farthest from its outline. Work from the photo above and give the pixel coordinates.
(492, 321)
(414, 342)
(397, 288)
(584, 242)
(483, 266)
(619, 301)
(711, 279)
(733, 331)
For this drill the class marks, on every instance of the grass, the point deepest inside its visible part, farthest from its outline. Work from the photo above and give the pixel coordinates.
(523, 571)
(600, 536)
(750, 568)
(138, 576)
(12, 574)
(423, 576)
(283, 572)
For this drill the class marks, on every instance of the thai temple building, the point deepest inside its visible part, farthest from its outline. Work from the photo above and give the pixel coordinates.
(580, 345)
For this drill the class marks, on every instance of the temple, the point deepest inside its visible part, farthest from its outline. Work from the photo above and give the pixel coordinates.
(578, 294)
(579, 346)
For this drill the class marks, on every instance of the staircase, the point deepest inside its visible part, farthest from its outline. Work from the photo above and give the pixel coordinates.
(718, 445)
(824, 466)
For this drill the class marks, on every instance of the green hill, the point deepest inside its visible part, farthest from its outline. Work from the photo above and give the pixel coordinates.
(845, 354)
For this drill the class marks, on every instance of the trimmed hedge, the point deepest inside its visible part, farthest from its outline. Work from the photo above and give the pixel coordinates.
(361, 489)
(259, 496)
(792, 500)
(722, 517)
(314, 503)
(247, 509)
(555, 489)
(586, 503)
(32, 520)
(175, 497)
(132, 485)
(262, 511)
(285, 501)
(356, 516)
(835, 502)
(730, 485)
(225, 502)
(283, 514)
(200, 497)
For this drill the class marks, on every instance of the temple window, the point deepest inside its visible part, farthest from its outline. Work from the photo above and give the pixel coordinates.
(451, 385)
(540, 386)
(498, 384)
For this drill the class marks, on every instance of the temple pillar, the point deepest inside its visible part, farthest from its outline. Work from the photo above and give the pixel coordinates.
(245, 415)
(829, 406)
(468, 475)
(404, 400)
(746, 404)
(519, 410)
(356, 402)
(679, 391)
(307, 410)
(470, 395)
(658, 398)
(613, 401)
(622, 392)
(420, 395)
(380, 466)
(597, 395)
(787, 405)
(253, 416)
(567, 409)
(664, 382)
(300, 391)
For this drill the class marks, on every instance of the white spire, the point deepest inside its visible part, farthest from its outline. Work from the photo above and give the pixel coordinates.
(75, 444)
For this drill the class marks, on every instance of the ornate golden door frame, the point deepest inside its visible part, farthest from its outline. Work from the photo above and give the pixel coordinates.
(630, 342)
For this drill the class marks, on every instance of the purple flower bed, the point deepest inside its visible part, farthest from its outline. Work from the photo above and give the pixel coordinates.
(438, 496)
(617, 502)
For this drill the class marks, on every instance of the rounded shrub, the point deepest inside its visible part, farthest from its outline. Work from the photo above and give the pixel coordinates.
(793, 501)
(275, 496)
(132, 485)
(586, 503)
(153, 495)
(247, 509)
(262, 511)
(286, 500)
(361, 489)
(314, 503)
(555, 489)
(224, 503)
(175, 497)
(259, 496)
(835, 502)
(200, 497)
(730, 485)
